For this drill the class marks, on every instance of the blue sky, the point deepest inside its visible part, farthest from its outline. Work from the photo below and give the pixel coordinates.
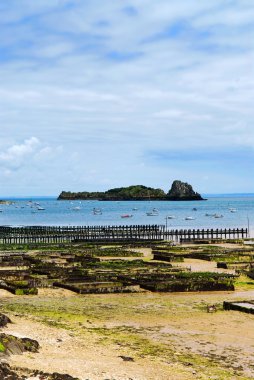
(97, 94)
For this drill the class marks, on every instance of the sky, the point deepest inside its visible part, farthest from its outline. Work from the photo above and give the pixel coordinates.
(96, 94)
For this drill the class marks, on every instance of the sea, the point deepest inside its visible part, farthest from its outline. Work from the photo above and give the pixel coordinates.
(218, 211)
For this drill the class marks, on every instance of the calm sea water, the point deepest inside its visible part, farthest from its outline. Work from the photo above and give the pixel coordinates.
(76, 213)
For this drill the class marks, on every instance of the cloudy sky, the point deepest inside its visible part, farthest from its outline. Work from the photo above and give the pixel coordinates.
(97, 94)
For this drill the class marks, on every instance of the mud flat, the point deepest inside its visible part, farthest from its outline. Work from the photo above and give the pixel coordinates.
(138, 336)
(141, 335)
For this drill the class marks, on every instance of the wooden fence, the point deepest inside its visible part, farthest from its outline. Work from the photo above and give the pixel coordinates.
(51, 234)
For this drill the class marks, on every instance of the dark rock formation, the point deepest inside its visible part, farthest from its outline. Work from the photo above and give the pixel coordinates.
(59, 376)
(182, 191)
(126, 358)
(10, 344)
(53, 376)
(4, 320)
(7, 374)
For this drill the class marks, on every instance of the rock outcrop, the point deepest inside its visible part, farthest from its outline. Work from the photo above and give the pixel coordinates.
(4, 320)
(7, 374)
(53, 376)
(182, 191)
(12, 345)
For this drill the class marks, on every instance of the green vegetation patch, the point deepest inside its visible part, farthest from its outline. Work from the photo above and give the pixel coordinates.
(26, 291)
(2, 347)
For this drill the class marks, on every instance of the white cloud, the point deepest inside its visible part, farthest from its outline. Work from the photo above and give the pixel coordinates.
(21, 156)
(15, 155)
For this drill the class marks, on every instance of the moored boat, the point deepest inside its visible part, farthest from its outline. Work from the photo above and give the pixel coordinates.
(97, 211)
(152, 213)
(216, 216)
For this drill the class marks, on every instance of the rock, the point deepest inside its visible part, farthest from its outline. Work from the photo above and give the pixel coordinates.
(4, 320)
(10, 344)
(6, 373)
(58, 376)
(182, 191)
(53, 376)
(126, 358)
(30, 345)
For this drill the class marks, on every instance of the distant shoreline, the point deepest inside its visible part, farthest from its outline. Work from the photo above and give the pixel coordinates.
(54, 197)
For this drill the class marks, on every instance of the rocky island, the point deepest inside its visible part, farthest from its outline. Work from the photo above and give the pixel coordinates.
(180, 191)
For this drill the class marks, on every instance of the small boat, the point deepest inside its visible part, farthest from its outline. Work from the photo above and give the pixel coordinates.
(218, 216)
(155, 210)
(171, 217)
(97, 211)
(76, 208)
(126, 216)
(152, 213)
(189, 218)
(134, 209)
(194, 209)
(40, 208)
(232, 209)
